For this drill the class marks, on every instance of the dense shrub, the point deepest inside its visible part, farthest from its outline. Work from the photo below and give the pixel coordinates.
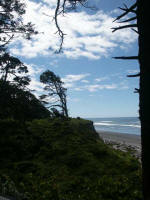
(65, 160)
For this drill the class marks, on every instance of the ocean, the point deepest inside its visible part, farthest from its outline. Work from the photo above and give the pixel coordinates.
(130, 125)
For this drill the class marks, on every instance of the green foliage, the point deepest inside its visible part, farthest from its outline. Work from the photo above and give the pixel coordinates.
(11, 21)
(56, 159)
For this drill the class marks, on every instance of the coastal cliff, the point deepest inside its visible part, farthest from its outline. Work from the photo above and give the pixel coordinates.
(64, 159)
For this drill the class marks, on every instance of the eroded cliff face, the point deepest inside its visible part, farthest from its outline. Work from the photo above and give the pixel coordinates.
(90, 127)
(84, 127)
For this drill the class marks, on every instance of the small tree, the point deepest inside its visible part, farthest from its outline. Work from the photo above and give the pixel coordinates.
(56, 91)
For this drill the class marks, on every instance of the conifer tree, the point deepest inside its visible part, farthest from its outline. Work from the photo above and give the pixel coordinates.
(55, 91)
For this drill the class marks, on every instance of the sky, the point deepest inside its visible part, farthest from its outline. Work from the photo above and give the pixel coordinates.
(97, 85)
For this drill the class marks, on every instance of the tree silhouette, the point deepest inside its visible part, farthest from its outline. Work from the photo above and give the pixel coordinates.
(56, 91)
(141, 16)
(143, 57)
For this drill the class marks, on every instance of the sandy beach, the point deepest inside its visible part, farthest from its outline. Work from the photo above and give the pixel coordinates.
(122, 141)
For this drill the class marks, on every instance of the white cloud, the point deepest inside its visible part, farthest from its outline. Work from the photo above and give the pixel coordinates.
(101, 79)
(54, 63)
(36, 85)
(84, 81)
(134, 71)
(79, 89)
(73, 78)
(70, 80)
(87, 35)
(124, 85)
(68, 85)
(51, 3)
(34, 71)
(75, 82)
(96, 87)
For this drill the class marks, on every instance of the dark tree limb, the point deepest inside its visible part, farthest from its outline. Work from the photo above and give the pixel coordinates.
(128, 20)
(137, 90)
(125, 26)
(135, 31)
(127, 57)
(134, 75)
(59, 31)
(127, 10)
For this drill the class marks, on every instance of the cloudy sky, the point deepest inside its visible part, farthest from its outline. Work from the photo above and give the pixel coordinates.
(97, 84)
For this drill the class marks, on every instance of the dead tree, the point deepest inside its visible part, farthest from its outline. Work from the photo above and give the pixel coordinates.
(144, 49)
(141, 15)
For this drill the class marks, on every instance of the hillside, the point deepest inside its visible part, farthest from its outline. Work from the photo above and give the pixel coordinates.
(64, 160)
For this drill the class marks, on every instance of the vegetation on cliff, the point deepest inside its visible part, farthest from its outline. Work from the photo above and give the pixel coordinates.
(64, 159)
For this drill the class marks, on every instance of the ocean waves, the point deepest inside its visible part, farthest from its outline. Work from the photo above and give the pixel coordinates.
(110, 124)
(129, 125)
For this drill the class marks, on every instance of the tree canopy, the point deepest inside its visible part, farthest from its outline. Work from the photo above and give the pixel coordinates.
(11, 21)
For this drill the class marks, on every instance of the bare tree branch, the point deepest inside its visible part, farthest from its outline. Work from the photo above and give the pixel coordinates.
(59, 31)
(135, 31)
(128, 20)
(125, 26)
(137, 90)
(61, 8)
(127, 10)
(134, 75)
(127, 57)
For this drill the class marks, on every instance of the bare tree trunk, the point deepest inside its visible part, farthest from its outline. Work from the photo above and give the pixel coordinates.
(65, 107)
(144, 61)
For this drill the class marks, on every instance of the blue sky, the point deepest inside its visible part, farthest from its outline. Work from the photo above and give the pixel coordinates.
(97, 84)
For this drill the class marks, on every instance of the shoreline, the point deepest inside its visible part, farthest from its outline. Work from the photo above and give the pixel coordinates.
(122, 141)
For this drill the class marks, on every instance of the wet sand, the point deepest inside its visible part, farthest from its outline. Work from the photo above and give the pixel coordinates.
(122, 141)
